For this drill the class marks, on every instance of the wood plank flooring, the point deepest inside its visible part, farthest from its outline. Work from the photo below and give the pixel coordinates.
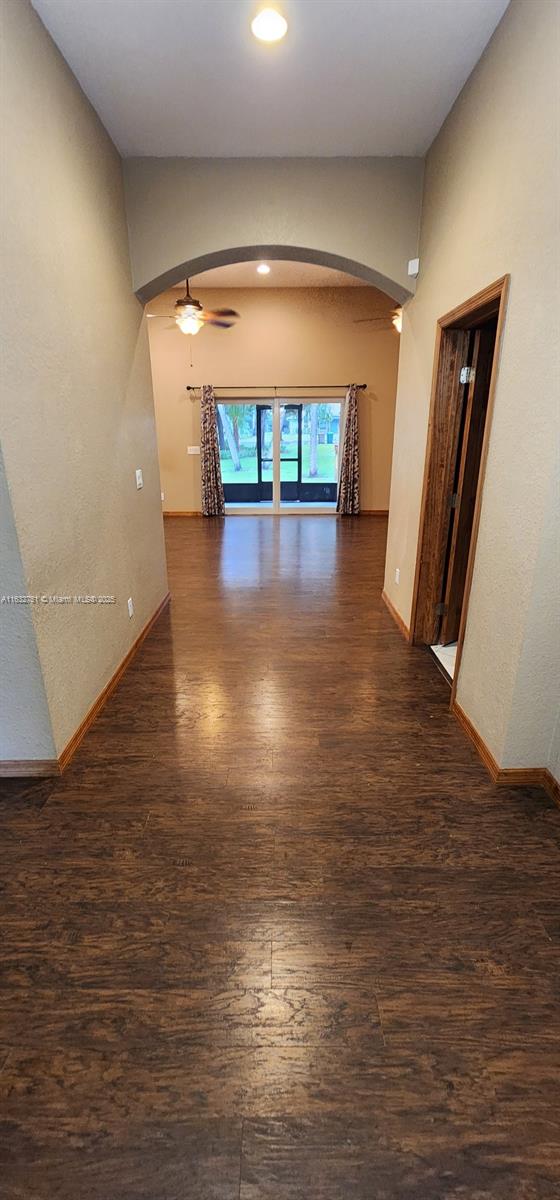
(274, 935)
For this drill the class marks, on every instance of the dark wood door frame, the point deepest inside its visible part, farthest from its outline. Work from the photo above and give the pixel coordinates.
(451, 340)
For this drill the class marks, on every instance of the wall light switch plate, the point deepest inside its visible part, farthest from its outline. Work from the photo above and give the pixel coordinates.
(193, 449)
(414, 267)
(397, 575)
(139, 478)
(163, 496)
(130, 607)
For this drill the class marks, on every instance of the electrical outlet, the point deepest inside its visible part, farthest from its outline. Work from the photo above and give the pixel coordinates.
(193, 449)
(130, 607)
(163, 496)
(139, 478)
(397, 575)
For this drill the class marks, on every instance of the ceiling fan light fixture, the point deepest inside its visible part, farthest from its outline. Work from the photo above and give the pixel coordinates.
(263, 269)
(188, 313)
(269, 25)
(189, 323)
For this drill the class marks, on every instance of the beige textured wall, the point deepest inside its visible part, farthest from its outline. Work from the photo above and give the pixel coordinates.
(25, 727)
(365, 210)
(554, 756)
(491, 207)
(285, 335)
(77, 409)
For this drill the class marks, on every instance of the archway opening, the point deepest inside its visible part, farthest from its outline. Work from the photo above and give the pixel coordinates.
(284, 253)
(307, 329)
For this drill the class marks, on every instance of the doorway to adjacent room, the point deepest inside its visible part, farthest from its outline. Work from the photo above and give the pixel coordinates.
(466, 360)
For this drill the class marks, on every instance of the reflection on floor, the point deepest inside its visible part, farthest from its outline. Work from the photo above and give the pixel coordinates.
(274, 934)
(446, 656)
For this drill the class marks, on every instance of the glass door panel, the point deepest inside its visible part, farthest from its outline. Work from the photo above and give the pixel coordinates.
(237, 437)
(265, 451)
(290, 452)
(245, 440)
(320, 451)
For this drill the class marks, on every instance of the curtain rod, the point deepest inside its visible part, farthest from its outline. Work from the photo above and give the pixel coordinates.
(243, 387)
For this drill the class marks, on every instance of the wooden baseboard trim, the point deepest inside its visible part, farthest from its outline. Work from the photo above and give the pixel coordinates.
(364, 512)
(396, 617)
(478, 743)
(511, 777)
(77, 737)
(530, 777)
(29, 768)
(551, 785)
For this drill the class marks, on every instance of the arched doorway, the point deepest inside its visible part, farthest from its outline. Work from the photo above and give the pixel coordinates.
(300, 254)
(357, 215)
(280, 376)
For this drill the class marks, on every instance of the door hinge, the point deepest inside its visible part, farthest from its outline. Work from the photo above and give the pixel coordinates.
(466, 375)
(441, 609)
(454, 501)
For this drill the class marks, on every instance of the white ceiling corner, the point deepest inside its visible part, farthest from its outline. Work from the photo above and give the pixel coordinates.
(352, 77)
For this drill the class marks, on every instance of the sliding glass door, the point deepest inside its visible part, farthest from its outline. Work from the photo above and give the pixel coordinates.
(279, 454)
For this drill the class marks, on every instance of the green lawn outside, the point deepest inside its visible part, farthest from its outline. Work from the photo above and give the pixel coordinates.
(326, 465)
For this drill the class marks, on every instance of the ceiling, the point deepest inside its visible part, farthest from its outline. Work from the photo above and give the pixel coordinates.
(352, 77)
(282, 274)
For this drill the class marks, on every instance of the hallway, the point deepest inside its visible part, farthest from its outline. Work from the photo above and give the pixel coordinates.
(274, 935)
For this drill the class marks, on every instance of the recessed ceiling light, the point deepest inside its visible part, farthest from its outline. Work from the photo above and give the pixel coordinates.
(263, 269)
(269, 25)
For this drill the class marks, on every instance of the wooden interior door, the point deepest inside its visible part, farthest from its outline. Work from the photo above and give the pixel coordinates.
(466, 481)
(443, 447)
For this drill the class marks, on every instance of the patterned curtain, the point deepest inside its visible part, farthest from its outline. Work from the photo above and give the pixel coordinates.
(348, 503)
(210, 469)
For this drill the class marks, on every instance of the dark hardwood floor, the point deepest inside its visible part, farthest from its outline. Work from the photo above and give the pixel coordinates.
(274, 935)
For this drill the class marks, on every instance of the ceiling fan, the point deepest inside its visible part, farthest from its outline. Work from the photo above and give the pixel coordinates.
(384, 320)
(190, 316)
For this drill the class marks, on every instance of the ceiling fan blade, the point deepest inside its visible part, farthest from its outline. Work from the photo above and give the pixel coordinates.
(364, 320)
(223, 312)
(159, 316)
(221, 324)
